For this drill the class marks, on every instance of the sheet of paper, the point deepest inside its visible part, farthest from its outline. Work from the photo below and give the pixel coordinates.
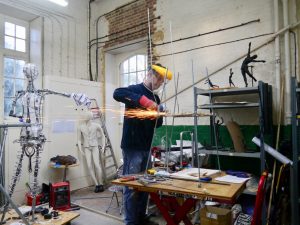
(232, 179)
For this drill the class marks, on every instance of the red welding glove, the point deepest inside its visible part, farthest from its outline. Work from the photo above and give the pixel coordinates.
(147, 103)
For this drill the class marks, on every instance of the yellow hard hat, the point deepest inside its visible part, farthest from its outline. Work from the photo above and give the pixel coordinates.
(164, 72)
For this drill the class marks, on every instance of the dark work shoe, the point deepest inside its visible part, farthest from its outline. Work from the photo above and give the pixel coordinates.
(147, 221)
(99, 188)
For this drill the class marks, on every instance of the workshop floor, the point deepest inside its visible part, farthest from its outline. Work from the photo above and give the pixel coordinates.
(94, 206)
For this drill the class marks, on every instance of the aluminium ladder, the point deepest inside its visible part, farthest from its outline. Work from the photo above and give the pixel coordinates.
(108, 163)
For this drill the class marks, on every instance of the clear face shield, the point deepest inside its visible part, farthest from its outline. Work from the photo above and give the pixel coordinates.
(158, 82)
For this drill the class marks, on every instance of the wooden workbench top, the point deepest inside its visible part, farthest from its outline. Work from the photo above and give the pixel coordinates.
(215, 189)
(63, 218)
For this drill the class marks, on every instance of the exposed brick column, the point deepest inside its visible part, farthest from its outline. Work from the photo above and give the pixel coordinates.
(130, 23)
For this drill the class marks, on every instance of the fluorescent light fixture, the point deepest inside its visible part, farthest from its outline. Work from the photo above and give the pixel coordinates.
(60, 2)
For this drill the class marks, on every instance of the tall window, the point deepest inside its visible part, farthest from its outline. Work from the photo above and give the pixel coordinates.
(14, 54)
(13, 81)
(133, 70)
(14, 37)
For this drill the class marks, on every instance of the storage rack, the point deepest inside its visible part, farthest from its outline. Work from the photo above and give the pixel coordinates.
(264, 105)
(294, 181)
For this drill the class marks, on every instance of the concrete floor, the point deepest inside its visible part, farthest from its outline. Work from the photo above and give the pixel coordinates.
(94, 206)
(92, 218)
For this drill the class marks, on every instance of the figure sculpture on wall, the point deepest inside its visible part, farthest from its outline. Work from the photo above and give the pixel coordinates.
(245, 65)
(93, 139)
(231, 84)
(32, 139)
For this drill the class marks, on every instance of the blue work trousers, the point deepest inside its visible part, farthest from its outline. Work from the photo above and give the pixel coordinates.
(135, 203)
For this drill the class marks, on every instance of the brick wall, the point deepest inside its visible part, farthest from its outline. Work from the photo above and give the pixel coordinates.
(130, 22)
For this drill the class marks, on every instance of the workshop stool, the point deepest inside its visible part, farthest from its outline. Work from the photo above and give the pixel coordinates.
(115, 189)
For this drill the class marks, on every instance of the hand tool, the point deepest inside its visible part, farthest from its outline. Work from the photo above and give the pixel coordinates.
(127, 178)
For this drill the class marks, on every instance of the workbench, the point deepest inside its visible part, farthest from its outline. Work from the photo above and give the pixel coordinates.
(189, 190)
(11, 217)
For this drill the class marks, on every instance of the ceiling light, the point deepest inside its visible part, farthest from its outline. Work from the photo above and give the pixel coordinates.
(60, 2)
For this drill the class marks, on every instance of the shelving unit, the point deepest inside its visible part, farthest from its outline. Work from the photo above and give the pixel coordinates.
(229, 153)
(264, 105)
(295, 121)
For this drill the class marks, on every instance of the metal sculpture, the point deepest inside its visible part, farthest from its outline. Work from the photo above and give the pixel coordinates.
(231, 84)
(32, 139)
(245, 68)
(210, 84)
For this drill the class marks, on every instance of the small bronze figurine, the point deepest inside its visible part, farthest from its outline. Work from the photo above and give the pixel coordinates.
(230, 79)
(245, 68)
(211, 85)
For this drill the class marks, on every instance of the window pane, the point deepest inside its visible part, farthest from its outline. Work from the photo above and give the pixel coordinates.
(8, 88)
(125, 80)
(7, 105)
(125, 67)
(140, 76)
(20, 45)
(9, 42)
(19, 85)
(140, 62)
(132, 78)
(19, 109)
(8, 67)
(132, 64)
(19, 68)
(20, 32)
(10, 29)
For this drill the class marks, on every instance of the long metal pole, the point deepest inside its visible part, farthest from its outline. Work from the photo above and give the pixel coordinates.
(213, 122)
(5, 126)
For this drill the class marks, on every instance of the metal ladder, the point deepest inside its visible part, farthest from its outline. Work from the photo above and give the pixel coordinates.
(109, 164)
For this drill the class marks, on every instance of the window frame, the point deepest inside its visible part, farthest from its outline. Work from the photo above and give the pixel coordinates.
(136, 71)
(9, 53)
(121, 81)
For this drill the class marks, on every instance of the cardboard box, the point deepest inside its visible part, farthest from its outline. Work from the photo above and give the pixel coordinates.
(210, 215)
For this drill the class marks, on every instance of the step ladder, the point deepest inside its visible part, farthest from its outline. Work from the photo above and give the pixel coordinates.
(109, 164)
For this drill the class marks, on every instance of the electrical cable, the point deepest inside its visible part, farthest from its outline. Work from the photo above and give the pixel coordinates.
(210, 32)
(97, 63)
(117, 38)
(217, 44)
(89, 36)
(121, 31)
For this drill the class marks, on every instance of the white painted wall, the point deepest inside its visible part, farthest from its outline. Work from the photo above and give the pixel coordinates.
(180, 19)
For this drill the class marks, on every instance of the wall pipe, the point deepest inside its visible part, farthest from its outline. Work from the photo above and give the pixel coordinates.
(287, 59)
(277, 52)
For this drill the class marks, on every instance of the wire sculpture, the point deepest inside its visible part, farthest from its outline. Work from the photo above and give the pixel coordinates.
(31, 138)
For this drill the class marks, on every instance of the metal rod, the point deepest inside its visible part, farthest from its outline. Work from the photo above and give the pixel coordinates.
(213, 122)
(13, 206)
(195, 126)
(15, 125)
